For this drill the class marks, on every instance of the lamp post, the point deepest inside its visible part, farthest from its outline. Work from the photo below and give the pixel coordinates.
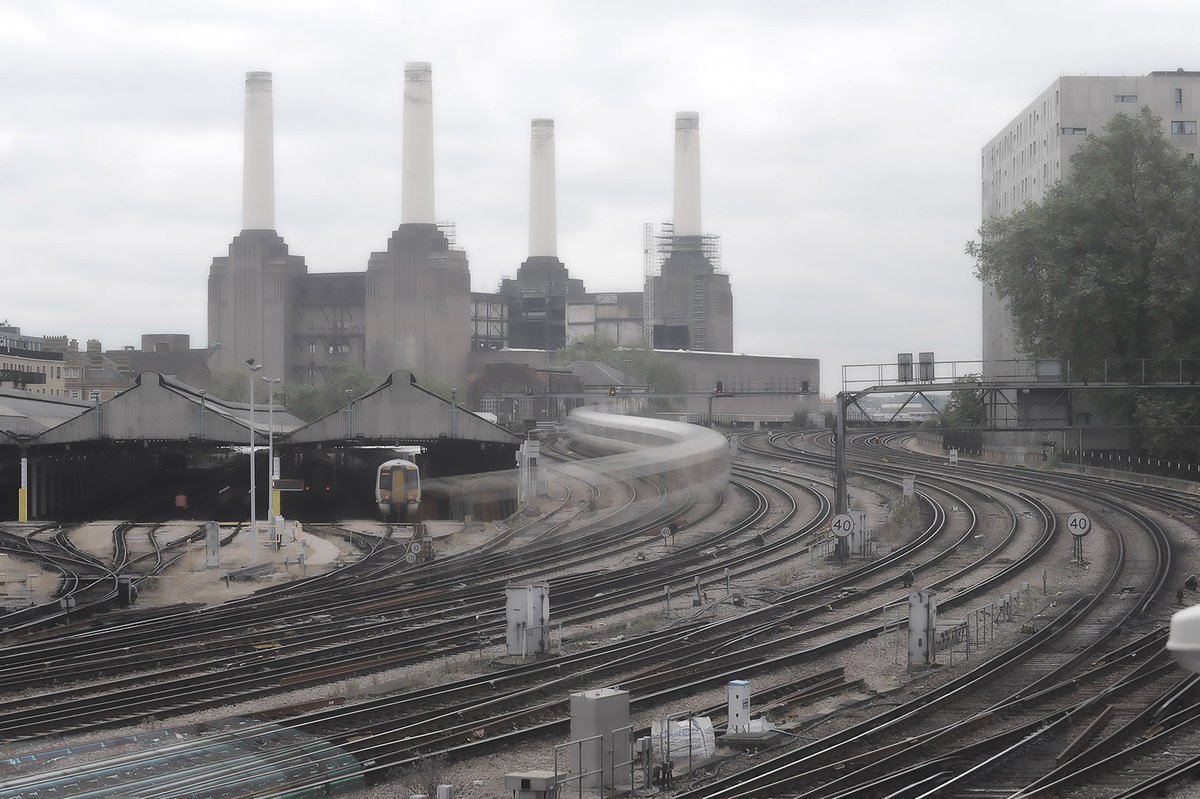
(253, 367)
(349, 413)
(202, 411)
(453, 411)
(271, 381)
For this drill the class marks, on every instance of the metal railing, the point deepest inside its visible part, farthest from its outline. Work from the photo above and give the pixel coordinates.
(1113, 371)
(604, 776)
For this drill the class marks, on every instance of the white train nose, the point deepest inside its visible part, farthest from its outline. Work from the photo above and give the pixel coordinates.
(1184, 641)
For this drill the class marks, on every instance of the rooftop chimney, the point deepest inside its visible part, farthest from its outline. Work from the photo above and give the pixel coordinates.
(258, 163)
(416, 189)
(543, 214)
(687, 174)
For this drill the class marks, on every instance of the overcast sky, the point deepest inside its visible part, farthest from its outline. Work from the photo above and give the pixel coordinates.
(840, 146)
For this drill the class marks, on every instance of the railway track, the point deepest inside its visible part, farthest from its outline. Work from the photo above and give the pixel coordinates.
(1018, 755)
(1023, 698)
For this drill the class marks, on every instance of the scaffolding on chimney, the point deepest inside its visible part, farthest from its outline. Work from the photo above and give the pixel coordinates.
(650, 270)
(450, 231)
(699, 332)
(709, 245)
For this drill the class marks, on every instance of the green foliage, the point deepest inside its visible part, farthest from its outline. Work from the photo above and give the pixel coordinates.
(442, 389)
(1052, 460)
(965, 406)
(304, 401)
(230, 385)
(343, 383)
(1166, 418)
(639, 363)
(1108, 264)
(905, 514)
(588, 348)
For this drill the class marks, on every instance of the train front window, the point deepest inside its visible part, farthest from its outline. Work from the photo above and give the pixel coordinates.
(385, 481)
(410, 478)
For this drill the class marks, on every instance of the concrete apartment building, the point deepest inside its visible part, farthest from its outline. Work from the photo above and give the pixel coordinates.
(1033, 152)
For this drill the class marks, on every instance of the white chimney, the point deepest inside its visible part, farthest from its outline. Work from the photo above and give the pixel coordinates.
(543, 215)
(687, 174)
(416, 189)
(258, 160)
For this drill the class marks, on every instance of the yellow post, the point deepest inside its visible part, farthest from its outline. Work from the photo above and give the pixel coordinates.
(22, 505)
(275, 502)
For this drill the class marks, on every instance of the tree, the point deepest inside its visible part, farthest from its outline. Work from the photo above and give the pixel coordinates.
(230, 385)
(1107, 266)
(964, 408)
(588, 348)
(304, 401)
(653, 369)
(343, 383)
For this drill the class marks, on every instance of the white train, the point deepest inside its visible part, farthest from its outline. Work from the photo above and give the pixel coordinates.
(398, 490)
(640, 446)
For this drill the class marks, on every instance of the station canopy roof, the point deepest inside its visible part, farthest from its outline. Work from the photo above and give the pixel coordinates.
(159, 408)
(398, 410)
(24, 414)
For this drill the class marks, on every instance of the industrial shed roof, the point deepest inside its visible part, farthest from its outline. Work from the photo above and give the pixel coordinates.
(24, 414)
(595, 373)
(396, 411)
(159, 408)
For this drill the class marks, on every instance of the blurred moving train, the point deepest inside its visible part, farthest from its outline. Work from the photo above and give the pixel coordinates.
(645, 447)
(398, 490)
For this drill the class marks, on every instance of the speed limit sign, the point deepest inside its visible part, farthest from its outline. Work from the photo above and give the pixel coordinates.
(842, 525)
(1079, 524)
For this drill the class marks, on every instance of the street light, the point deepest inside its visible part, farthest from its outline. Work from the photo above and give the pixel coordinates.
(271, 381)
(453, 411)
(202, 411)
(253, 367)
(349, 413)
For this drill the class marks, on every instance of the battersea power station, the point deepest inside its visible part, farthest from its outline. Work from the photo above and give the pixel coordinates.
(413, 307)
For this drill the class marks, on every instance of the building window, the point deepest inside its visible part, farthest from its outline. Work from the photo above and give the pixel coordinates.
(312, 348)
(1126, 98)
(1178, 100)
(488, 402)
(1074, 131)
(1183, 127)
